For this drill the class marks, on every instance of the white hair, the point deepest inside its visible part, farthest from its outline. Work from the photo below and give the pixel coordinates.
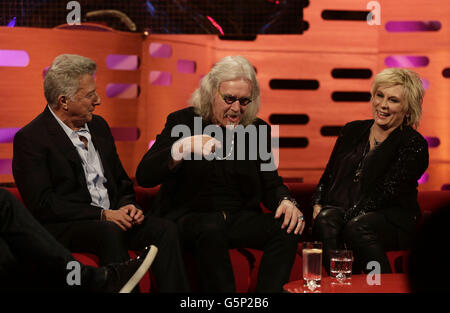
(228, 68)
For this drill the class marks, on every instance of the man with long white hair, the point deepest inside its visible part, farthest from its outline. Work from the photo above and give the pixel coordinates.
(209, 160)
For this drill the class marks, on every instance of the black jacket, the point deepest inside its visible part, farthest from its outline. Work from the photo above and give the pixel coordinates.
(389, 176)
(181, 186)
(49, 174)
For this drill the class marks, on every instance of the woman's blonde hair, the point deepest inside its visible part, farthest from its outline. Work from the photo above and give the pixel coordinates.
(413, 91)
(228, 68)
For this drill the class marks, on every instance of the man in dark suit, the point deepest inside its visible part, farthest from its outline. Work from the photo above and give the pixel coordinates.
(213, 187)
(32, 260)
(68, 172)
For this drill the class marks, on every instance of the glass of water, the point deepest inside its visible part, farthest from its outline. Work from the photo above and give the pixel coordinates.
(312, 264)
(341, 265)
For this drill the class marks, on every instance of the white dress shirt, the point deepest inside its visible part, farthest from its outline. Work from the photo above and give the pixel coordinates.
(92, 165)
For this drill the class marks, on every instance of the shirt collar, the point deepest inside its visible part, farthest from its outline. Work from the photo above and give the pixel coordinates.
(70, 133)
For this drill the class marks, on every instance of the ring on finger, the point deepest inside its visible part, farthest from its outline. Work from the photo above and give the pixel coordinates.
(301, 218)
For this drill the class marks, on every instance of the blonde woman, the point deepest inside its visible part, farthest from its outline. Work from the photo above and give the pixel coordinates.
(366, 199)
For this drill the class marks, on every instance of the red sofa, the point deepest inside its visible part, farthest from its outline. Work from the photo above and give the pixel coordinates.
(246, 261)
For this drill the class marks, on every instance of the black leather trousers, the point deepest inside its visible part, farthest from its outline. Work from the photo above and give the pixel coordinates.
(368, 235)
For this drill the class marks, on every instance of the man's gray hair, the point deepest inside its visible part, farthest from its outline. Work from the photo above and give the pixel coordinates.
(228, 68)
(63, 76)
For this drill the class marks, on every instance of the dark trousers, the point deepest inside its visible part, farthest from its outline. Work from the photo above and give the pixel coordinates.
(369, 236)
(111, 244)
(210, 235)
(24, 242)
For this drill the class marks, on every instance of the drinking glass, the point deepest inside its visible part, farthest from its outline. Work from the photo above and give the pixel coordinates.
(341, 265)
(312, 264)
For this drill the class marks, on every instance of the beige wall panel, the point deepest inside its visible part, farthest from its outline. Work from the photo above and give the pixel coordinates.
(156, 102)
(23, 86)
(324, 46)
(439, 174)
(6, 150)
(415, 10)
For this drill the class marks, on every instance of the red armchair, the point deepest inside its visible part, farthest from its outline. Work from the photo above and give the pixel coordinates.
(246, 261)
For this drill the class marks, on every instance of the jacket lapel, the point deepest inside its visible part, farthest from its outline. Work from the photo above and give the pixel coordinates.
(64, 144)
(58, 135)
(361, 133)
(379, 159)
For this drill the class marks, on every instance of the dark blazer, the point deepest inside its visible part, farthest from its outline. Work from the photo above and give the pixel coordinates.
(49, 174)
(180, 186)
(389, 174)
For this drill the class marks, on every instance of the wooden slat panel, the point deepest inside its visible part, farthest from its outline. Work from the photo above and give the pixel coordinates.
(159, 101)
(439, 174)
(22, 87)
(415, 10)
(6, 179)
(6, 151)
(324, 46)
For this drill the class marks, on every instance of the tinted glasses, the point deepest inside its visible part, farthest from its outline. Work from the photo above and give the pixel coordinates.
(231, 99)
